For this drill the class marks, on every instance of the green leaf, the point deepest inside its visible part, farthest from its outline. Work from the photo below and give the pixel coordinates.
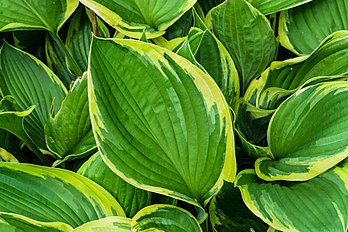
(12, 121)
(165, 126)
(21, 224)
(53, 195)
(109, 224)
(79, 37)
(207, 5)
(216, 60)
(5, 156)
(131, 17)
(247, 35)
(282, 205)
(35, 14)
(307, 134)
(165, 218)
(284, 77)
(303, 28)
(69, 133)
(130, 198)
(30, 82)
(270, 6)
(181, 27)
(228, 212)
(56, 61)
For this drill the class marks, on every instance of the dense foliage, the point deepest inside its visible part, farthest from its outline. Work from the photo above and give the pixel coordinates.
(180, 115)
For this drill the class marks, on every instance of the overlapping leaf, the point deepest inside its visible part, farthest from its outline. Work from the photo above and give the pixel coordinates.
(247, 35)
(30, 82)
(164, 126)
(271, 6)
(284, 77)
(316, 205)
(130, 198)
(303, 28)
(49, 195)
(69, 133)
(133, 16)
(303, 144)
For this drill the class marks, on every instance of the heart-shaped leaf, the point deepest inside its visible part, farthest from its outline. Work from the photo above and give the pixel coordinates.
(307, 134)
(160, 122)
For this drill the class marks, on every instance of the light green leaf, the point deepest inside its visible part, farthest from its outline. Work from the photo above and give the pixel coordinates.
(79, 36)
(303, 28)
(23, 224)
(30, 82)
(153, 108)
(247, 35)
(131, 17)
(109, 224)
(53, 195)
(130, 198)
(227, 212)
(307, 134)
(5, 156)
(270, 6)
(164, 218)
(284, 77)
(35, 14)
(319, 204)
(69, 133)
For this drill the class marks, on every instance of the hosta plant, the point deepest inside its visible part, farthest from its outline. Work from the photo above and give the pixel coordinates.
(181, 115)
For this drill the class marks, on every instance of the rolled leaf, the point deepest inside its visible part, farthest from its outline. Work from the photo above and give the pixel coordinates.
(282, 204)
(152, 108)
(30, 82)
(20, 223)
(303, 28)
(307, 134)
(247, 35)
(130, 198)
(165, 218)
(270, 6)
(53, 195)
(35, 14)
(131, 17)
(69, 133)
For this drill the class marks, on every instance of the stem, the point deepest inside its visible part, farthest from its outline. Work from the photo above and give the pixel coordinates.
(94, 23)
(74, 66)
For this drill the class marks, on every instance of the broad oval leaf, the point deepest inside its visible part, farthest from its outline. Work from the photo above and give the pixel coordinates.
(247, 35)
(164, 218)
(20, 223)
(35, 14)
(69, 133)
(303, 28)
(30, 82)
(132, 17)
(307, 134)
(160, 122)
(270, 6)
(130, 198)
(324, 200)
(53, 195)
